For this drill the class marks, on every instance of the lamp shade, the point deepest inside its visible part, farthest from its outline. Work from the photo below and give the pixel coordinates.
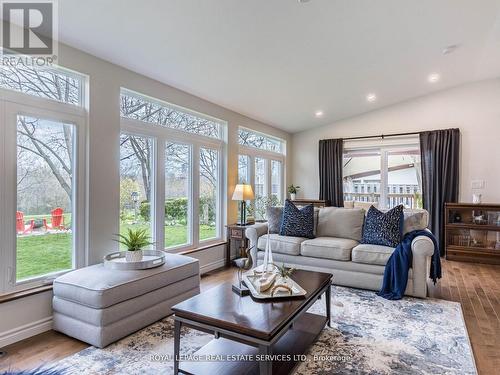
(243, 192)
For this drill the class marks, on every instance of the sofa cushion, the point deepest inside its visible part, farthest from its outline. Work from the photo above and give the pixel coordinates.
(341, 222)
(274, 216)
(383, 228)
(297, 222)
(281, 244)
(415, 219)
(328, 247)
(371, 254)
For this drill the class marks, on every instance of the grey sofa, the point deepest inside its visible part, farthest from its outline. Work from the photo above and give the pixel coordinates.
(337, 249)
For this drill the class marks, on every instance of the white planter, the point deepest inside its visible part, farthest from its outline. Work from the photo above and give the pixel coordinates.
(133, 256)
(292, 196)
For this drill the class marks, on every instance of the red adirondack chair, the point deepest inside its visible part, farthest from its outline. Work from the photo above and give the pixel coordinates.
(22, 228)
(57, 220)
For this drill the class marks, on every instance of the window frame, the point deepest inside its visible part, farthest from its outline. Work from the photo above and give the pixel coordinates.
(12, 104)
(153, 206)
(190, 237)
(162, 135)
(267, 138)
(159, 102)
(384, 148)
(252, 152)
(13, 94)
(219, 203)
(281, 180)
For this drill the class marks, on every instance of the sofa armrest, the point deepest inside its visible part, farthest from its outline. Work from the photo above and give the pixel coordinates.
(253, 232)
(422, 249)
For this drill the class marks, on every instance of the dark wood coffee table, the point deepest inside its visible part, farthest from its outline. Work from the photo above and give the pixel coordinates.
(252, 336)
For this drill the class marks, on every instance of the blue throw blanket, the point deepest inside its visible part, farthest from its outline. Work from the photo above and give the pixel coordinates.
(398, 266)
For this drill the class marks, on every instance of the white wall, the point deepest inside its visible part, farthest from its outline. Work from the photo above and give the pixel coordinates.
(105, 80)
(474, 108)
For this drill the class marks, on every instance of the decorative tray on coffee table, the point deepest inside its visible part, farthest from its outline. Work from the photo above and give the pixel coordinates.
(150, 259)
(252, 281)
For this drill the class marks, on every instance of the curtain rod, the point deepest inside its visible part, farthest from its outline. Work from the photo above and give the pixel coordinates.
(381, 136)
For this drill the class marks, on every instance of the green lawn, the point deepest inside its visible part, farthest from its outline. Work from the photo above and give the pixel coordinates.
(41, 254)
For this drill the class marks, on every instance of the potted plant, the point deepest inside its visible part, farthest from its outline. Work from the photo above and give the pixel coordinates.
(134, 241)
(292, 190)
(282, 281)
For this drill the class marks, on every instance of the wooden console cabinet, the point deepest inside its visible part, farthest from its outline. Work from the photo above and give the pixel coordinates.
(472, 232)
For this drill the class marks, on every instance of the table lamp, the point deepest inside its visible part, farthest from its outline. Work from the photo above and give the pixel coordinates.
(243, 193)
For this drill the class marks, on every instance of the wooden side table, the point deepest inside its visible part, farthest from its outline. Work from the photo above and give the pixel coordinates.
(237, 241)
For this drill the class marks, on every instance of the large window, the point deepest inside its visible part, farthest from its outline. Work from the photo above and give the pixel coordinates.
(44, 197)
(276, 180)
(261, 163)
(139, 107)
(388, 176)
(175, 172)
(55, 84)
(261, 141)
(260, 178)
(136, 183)
(243, 169)
(209, 177)
(42, 185)
(177, 194)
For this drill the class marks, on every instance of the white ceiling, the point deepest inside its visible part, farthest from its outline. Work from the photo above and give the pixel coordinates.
(279, 61)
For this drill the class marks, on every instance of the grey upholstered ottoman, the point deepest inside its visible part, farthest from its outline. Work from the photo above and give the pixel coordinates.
(99, 305)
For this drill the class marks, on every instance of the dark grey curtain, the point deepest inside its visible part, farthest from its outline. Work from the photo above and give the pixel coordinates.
(440, 151)
(330, 171)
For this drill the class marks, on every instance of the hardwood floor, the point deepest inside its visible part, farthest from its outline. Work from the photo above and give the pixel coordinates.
(52, 346)
(475, 286)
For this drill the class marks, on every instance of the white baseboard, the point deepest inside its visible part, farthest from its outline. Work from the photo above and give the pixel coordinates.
(212, 266)
(25, 331)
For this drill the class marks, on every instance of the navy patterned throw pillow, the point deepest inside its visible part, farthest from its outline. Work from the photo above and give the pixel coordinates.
(297, 222)
(383, 228)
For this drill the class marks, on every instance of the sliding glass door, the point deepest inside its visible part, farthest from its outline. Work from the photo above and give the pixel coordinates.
(386, 176)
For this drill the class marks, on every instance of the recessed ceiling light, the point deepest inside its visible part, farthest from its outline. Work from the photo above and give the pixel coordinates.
(304, 1)
(450, 49)
(371, 97)
(319, 113)
(433, 78)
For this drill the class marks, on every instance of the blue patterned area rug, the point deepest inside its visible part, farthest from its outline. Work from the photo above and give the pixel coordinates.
(369, 335)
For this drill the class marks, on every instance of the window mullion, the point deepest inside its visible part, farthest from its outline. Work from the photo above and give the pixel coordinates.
(283, 184)
(268, 174)
(79, 208)
(195, 195)
(251, 172)
(3, 211)
(159, 220)
(220, 206)
(383, 178)
(10, 195)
